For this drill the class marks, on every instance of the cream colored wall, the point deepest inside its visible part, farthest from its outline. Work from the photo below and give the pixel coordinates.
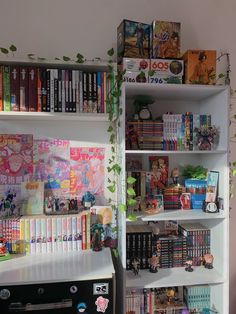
(53, 28)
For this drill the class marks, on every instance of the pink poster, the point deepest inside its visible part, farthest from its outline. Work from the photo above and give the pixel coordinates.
(16, 158)
(52, 163)
(87, 171)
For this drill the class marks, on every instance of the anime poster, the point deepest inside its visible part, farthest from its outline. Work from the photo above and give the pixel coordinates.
(16, 158)
(87, 171)
(10, 200)
(52, 163)
(32, 195)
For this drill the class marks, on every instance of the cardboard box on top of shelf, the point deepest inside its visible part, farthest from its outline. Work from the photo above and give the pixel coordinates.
(200, 67)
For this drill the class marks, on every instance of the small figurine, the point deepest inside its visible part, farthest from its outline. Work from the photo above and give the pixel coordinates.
(135, 263)
(96, 242)
(81, 308)
(175, 175)
(4, 254)
(154, 263)
(189, 263)
(208, 261)
(88, 199)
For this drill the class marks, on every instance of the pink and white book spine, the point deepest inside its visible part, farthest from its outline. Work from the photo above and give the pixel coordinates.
(64, 234)
(79, 233)
(59, 234)
(43, 235)
(49, 235)
(74, 232)
(32, 236)
(55, 227)
(38, 235)
(69, 234)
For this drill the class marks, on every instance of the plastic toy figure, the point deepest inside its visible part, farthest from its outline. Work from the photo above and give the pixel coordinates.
(135, 264)
(88, 200)
(97, 231)
(208, 261)
(175, 175)
(189, 263)
(4, 254)
(154, 263)
(81, 308)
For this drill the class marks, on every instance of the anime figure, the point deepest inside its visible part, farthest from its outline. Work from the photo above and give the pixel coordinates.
(4, 254)
(189, 263)
(96, 242)
(135, 265)
(154, 263)
(175, 175)
(88, 199)
(81, 308)
(208, 261)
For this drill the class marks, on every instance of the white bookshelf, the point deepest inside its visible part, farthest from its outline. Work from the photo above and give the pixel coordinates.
(213, 100)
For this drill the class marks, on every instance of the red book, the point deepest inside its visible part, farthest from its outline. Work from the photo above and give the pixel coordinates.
(15, 88)
(33, 89)
(39, 90)
(24, 87)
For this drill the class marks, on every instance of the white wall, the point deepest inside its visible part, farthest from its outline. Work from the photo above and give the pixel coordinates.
(53, 28)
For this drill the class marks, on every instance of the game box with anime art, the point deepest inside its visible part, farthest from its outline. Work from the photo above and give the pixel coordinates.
(200, 67)
(166, 39)
(133, 40)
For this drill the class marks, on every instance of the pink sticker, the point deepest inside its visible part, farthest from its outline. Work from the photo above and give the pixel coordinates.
(102, 304)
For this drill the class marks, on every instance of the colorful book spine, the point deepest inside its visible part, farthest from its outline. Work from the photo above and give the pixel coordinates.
(84, 234)
(32, 89)
(38, 235)
(55, 240)
(43, 226)
(49, 235)
(39, 91)
(32, 236)
(74, 233)
(27, 235)
(88, 234)
(15, 88)
(6, 88)
(59, 234)
(79, 233)
(24, 88)
(64, 234)
(69, 234)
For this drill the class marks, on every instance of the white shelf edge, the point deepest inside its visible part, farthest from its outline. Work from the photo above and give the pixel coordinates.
(183, 215)
(173, 277)
(50, 116)
(170, 152)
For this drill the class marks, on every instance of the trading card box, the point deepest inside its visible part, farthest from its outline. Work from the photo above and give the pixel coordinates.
(136, 69)
(133, 40)
(166, 39)
(200, 67)
(166, 71)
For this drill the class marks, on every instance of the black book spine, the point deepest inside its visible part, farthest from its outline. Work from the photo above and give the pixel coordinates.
(59, 90)
(48, 108)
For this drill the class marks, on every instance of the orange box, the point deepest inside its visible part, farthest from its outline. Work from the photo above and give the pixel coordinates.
(200, 67)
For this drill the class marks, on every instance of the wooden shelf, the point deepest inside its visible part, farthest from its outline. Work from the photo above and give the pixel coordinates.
(173, 277)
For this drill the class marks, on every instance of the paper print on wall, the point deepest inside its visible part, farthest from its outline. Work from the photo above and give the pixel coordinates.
(87, 171)
(52, 163)
(16, 158)
(32, 195)
(10, 200)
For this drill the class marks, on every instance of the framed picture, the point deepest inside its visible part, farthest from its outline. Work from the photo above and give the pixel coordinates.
(154, 204)
(212, 186)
